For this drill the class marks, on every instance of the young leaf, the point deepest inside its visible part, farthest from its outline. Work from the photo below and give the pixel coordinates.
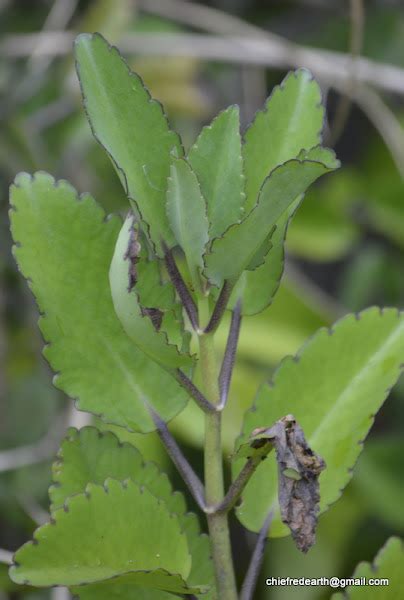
(292, 119)
(216, 160)
(186, 210)
(233, 252)
(127, 531)
(132, 128)
(64, 246)
(257, 288)
(141, 323)
(334, 386)
(91, 456)
(388, 564)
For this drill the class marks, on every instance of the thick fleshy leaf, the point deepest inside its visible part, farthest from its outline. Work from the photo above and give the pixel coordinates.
(186, 210)
(132, 128)
(142, 323)
(377, 480)
(333, 387)
(89, 455)
(233, 252)
(64, 246)
(257, 288)
(217, 162)
(388, 564)
(108, 531)
(292, 120)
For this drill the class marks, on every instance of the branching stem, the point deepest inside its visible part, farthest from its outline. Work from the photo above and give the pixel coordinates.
(181, 287)
(214, 481)
(238, 485)
(220, 307)
(194, 392)
(229, 355)
(187, 473)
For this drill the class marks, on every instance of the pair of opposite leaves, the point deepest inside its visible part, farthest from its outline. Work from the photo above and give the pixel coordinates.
(198, 203)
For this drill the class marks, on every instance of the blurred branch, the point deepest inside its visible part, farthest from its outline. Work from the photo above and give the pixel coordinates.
(6, 556)
(34, 510)
(269, 51)
(357, 14)
(60, 593)
(385, 121)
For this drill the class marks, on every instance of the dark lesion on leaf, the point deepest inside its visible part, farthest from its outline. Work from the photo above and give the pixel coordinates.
(299, 468)
(132, 255)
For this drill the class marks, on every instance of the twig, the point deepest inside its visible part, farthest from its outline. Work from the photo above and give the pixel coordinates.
(235, 490)
(6, 557)
(357, 13)
(226, 369)
(193, 482)
(194, 392)
(181, 287)
(220, 307)
(271, 51)
(253, 571)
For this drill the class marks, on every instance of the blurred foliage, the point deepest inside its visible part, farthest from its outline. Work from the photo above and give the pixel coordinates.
(346, 251)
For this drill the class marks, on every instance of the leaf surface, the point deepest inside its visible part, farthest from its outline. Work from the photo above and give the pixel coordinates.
(186, 210)
(141, 323)
(388, 564)
(109, 531)
(334, 386)
(217, 162)
(132, 128)
(232, 253)
(64, 246)
(91, 456)
(292, 120)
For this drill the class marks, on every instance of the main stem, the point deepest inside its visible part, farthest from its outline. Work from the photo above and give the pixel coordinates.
(214, 481)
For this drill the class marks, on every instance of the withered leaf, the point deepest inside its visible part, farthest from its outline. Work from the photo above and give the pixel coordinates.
(298, 472)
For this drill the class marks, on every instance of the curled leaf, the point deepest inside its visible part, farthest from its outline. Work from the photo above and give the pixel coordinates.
(298, 471)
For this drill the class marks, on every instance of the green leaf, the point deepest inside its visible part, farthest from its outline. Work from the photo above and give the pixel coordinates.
(232, 253)
(137, 320)
(64, 246)
(132, 128)
(186, 210)
(109, 531)
(333, 387)
(292, 119)
(89, 455)
(217, 162)
(257, 288)
(378, 469)
(388, 564)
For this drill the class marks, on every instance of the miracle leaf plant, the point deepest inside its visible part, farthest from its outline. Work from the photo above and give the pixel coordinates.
(129, 314)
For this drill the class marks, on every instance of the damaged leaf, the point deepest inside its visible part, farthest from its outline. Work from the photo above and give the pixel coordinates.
(298, 471)
(333, 387)
(142, 324)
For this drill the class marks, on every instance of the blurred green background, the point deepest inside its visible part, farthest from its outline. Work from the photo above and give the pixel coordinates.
(345, 246)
